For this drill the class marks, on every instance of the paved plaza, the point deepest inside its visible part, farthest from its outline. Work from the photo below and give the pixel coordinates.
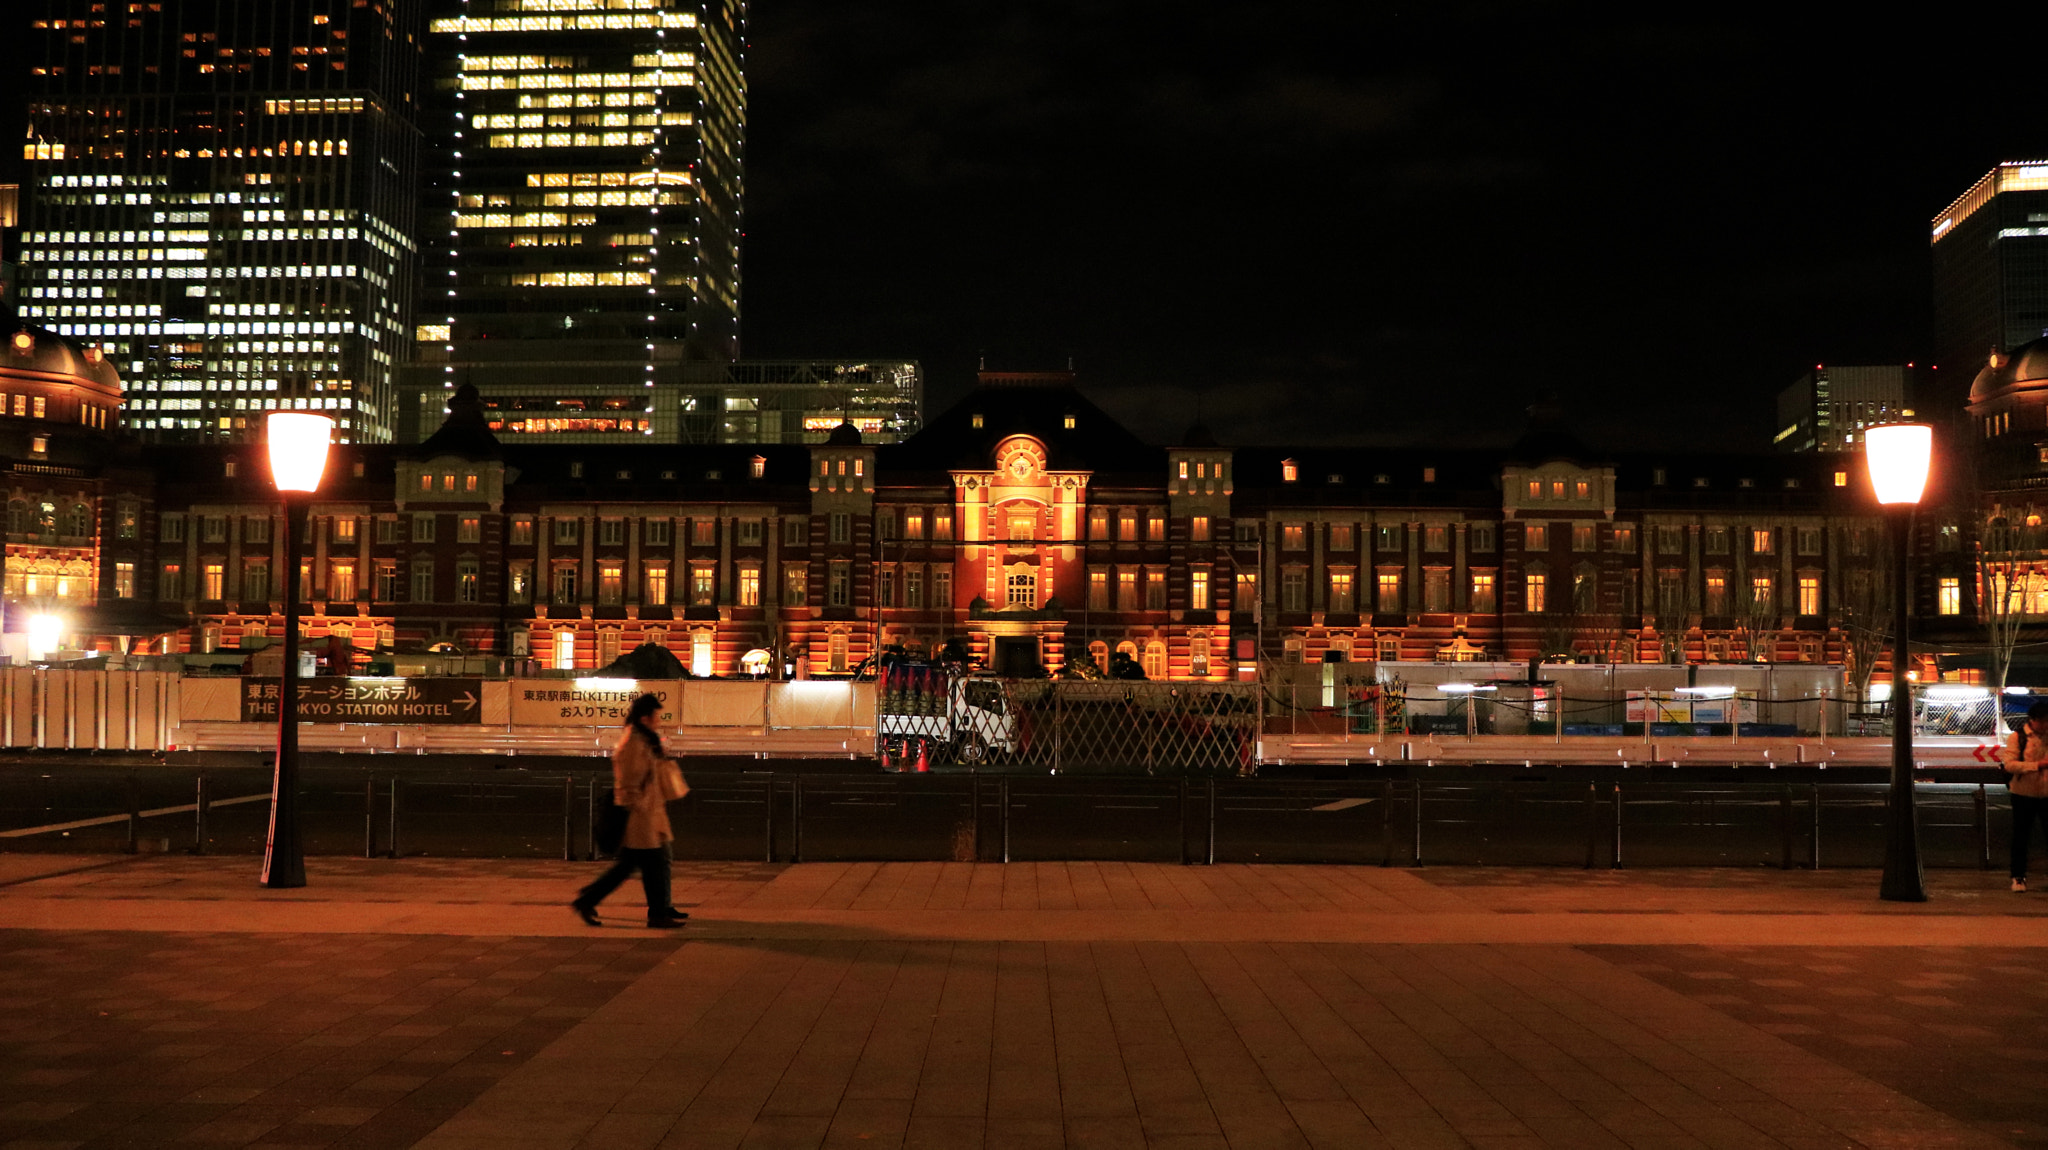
(170, 1001)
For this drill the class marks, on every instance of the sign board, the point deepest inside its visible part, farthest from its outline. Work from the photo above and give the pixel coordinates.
(1739, 708)
(1644, 706)
(589, 702)
(354, 699)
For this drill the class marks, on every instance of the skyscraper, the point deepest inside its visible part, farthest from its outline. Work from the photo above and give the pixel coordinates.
(1990, 256)
(222, 195)
(1828, 408)
(588, 157)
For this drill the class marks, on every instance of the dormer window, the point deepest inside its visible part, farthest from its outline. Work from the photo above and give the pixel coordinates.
(758, 466)
(1068, 423)
(228, 469)
(976, 420)
(1429, 475)
(1289, 471)
(1585, 489)
(576, 470)
(1183, 469)
(1535, 489)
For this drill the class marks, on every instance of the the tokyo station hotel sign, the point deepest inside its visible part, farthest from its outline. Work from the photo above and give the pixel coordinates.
(370, 700)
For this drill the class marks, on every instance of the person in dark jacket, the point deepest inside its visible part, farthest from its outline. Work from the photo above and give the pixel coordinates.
(2024, 756)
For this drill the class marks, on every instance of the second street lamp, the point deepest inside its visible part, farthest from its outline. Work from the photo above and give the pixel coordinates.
(298, 458)
(1898, 456)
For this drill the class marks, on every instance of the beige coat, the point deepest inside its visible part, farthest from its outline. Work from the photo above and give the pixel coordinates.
(635, 786)
(2024, 757)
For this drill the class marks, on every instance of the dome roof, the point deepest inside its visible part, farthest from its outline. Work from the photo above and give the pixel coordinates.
(2027, 363)
(844, 435)
(31, 349)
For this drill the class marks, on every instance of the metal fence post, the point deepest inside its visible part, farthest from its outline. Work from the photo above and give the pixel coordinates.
(1387, 822)
(1785, 823)
(1813, 845)
(395, 784)
(200, 804)
(1210, 857)
(1182, 810)
(768, 819)
(568, 818)
(1616, 865)
(1984, 827)
(1418, 823)
(796, 819)
(369, 816)
(134, 813)
(590, 823)
(1592, 823)
(974, 781)
(1003, 813)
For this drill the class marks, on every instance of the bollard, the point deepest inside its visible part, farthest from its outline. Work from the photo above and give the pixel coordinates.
(1210, 858)
(796, 819)
(369, 816)
(200, 802)
(134, 814)
(394, 817)
(568, 818)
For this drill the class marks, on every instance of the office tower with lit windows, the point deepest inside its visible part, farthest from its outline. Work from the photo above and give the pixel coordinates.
(583, 205)
(223, 197)
(1990, 262)
(1828, 408)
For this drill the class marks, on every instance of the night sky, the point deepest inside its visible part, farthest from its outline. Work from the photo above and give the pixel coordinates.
(1354, 222)
(1350, 222)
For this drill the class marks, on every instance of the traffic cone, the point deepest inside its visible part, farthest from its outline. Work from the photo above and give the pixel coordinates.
(885, 755)
(924, 760)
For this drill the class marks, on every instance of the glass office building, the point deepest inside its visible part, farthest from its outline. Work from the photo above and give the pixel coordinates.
(1990, 258)
(223, 197)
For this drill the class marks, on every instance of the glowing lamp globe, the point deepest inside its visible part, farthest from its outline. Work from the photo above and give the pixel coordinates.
(298, 449)
(1898, 454)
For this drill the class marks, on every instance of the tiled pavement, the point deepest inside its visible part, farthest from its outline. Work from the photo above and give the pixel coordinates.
(167, 1001)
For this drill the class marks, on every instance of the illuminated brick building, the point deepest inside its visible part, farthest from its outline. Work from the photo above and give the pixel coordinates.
(222, 198)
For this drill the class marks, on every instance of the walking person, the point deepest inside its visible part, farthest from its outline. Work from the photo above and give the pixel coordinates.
(2025, 755)
(644, 780)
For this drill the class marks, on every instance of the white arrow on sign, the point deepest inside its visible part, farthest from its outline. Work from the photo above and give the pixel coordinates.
(467, 700)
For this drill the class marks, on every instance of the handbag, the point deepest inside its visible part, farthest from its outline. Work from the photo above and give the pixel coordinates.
(669, 777)
(610, 833)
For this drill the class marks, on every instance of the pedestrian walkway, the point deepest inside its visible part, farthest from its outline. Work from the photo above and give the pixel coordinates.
(456, 1004)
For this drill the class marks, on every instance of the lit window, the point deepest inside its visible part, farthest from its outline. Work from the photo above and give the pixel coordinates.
(1809, 595)
(1341, 601)
(1289, 471)
(1482, 592)
(1198, 590)
(1536, 589)
(1950, 596)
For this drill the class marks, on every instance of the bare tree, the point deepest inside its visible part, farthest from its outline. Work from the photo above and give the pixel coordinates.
(1670, 615)
(2010, 548)
(1759, 591)
(1864, 610)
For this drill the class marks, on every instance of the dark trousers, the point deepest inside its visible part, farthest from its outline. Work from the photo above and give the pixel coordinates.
(651, 862)
(2026, 811)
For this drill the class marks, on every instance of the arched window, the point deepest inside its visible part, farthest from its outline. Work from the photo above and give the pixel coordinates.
(17, 518)
(1198, 657)
(46, 519)
(1099, 652)
(1155, 660)
(81, 520)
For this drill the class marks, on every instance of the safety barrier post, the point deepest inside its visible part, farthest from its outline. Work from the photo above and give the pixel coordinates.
(200, 802)
(1003, 813)
(590, 823)
(974, 787)
(768, 819)
(369, 816)
(393, 836)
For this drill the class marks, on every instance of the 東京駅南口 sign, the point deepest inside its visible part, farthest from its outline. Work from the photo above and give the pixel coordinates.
(366, 700)
(589, 702)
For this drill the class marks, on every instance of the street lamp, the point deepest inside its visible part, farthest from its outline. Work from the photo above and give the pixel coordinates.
(1898, 454)
(298, 457)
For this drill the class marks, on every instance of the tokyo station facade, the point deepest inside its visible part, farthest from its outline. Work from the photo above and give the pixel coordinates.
(1024, 521)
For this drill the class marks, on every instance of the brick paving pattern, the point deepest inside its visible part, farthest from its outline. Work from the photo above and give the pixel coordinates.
(170, 1001)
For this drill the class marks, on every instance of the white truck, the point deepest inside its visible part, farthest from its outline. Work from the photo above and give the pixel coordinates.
(958, 719)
